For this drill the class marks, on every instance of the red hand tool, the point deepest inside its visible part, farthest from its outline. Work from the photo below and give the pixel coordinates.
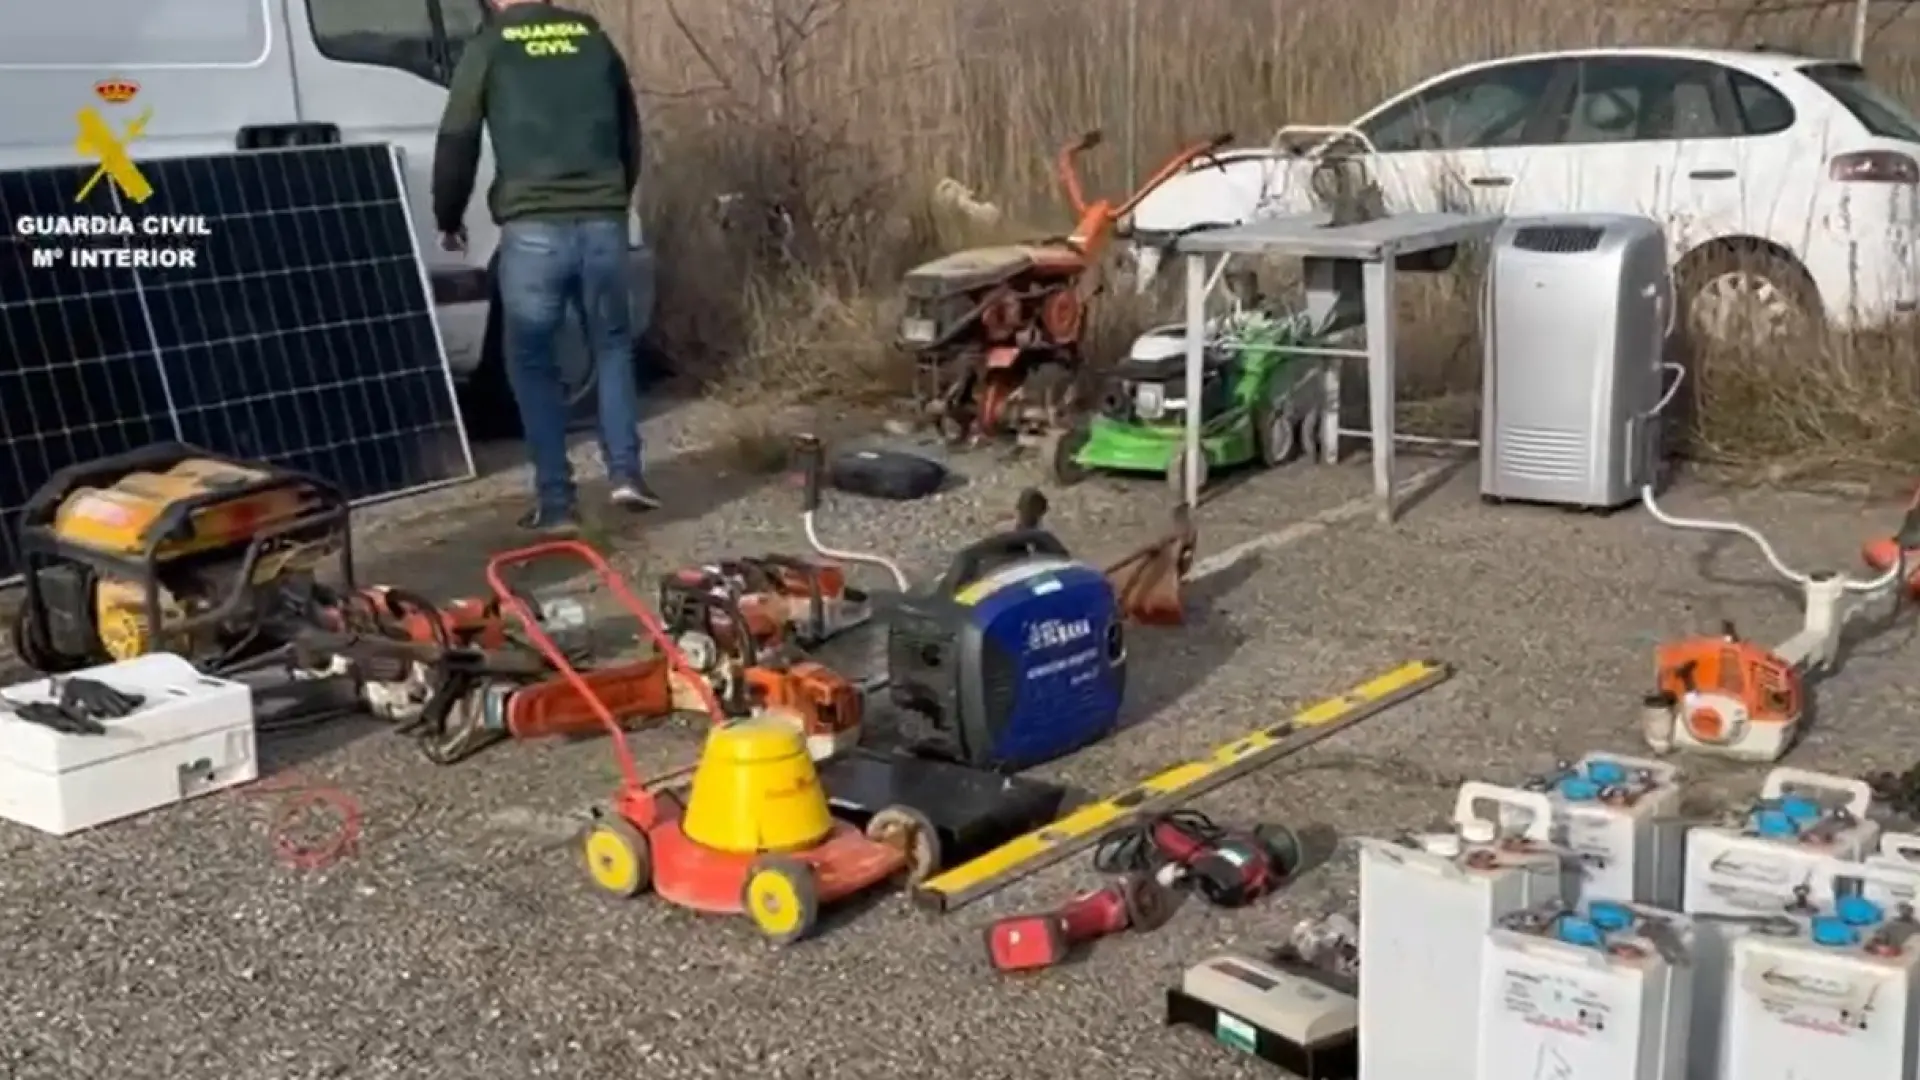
(1030, 942)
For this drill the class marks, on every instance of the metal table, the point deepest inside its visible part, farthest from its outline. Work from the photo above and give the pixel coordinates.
(1349, 282)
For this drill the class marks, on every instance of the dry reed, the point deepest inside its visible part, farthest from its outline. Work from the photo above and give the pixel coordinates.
(834, 120)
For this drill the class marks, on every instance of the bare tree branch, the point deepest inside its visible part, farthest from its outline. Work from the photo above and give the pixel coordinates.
(706, 58)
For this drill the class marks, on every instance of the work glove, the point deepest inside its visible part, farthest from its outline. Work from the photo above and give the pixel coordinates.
(59, 718)
(97, 701)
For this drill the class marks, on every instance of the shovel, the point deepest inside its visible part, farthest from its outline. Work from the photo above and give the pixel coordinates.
(1147, 582)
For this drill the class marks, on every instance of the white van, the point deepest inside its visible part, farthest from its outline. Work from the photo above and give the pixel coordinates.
(225, 74)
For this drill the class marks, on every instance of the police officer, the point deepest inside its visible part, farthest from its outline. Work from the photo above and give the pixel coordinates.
(552, 92)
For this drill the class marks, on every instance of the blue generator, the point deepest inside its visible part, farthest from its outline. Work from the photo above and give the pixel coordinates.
(1017, 655)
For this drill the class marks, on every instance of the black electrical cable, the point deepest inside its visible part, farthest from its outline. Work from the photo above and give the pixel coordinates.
(1131, 848)
(1227, 868)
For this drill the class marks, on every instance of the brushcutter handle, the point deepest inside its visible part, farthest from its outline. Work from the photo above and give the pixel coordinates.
(1731, 528)
(813, 468)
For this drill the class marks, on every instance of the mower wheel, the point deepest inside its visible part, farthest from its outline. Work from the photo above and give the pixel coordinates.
(781, 898)
(1063, 456)
(1177, 472)
(908, 829)
(1276, 432)
(619, 860)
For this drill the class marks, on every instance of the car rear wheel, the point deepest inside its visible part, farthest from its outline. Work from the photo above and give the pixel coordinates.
(1747, 300)
(487, 402)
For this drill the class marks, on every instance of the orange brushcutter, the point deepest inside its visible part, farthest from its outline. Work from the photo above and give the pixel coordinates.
(1727, 696)
(1884, 553)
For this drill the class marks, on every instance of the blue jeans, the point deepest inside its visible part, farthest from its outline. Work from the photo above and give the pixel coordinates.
(547, 268)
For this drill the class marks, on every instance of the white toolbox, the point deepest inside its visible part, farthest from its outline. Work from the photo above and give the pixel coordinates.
(1426, 910)
(1830, 994)
(191, 735)
(1619, 816)
(1776, 854)
(1601, 992)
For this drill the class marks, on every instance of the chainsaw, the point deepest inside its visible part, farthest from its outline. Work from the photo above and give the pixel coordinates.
(451, 674)
(782, 598)
(743, 643)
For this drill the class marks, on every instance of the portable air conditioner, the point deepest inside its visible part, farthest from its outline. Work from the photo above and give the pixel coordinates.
(1576, 315)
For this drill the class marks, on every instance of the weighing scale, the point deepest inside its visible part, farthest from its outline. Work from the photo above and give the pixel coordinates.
(1291, 1015)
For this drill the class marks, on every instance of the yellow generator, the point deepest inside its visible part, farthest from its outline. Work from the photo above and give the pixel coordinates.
(170, 549)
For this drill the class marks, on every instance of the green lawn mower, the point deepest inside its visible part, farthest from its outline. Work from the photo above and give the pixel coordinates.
(1259, 403)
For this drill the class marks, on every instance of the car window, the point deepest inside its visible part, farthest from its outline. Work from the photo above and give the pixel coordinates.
(403, 34)
(1880, 112)
(1763, 110)
(1488, 107)
(461, 19)
(1637, 99)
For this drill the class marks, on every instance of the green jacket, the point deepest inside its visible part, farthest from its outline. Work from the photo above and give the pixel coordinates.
(550, 89)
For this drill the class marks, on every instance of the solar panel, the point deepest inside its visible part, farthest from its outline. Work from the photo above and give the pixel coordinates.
(302, 334)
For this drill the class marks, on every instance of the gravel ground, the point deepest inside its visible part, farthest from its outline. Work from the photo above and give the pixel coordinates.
(461, 940)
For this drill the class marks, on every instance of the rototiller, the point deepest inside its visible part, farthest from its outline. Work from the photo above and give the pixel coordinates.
(979, 323)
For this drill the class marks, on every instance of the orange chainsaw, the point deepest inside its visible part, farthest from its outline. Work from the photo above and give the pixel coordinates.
(737, 623)
(828, 707)
(781, 596)
(450, 673)
(468, 621)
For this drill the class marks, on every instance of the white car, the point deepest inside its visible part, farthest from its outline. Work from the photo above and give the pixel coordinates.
(1789, 186)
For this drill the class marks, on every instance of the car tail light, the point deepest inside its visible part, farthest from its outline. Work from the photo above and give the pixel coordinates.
(1874, 167)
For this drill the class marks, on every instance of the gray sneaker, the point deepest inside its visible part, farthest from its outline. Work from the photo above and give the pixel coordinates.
(634, 495)
(551, 522)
